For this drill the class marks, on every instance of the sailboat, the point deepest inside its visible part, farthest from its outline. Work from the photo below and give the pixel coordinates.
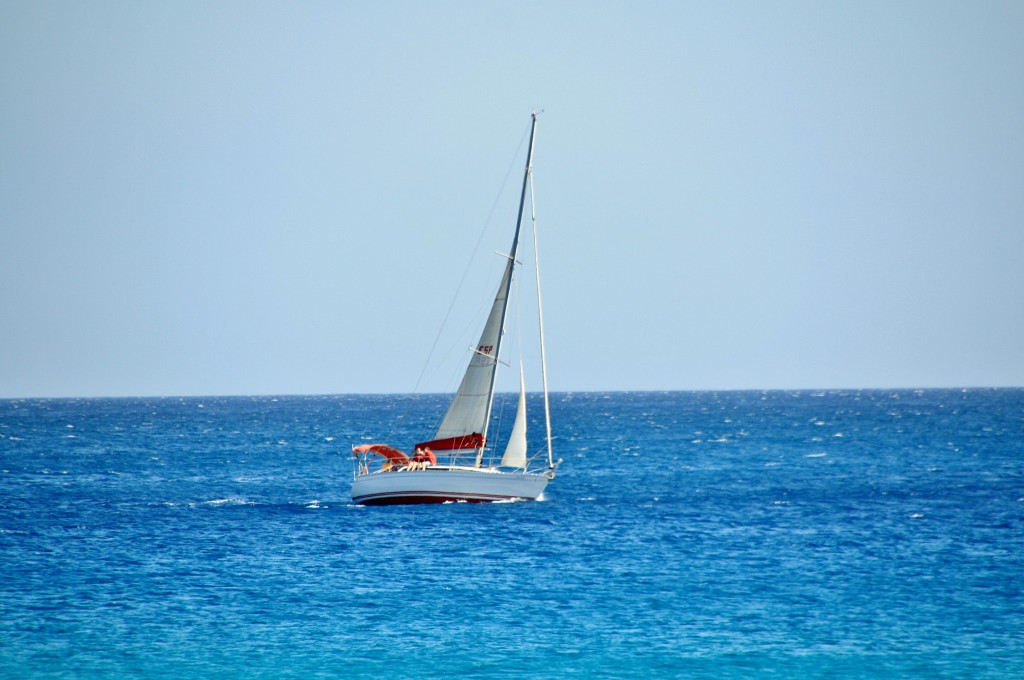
(450, 465)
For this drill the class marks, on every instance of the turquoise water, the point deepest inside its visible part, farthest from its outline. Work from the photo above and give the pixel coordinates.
(742, 534)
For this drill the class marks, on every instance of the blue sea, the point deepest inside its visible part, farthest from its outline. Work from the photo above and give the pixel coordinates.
(835, 534)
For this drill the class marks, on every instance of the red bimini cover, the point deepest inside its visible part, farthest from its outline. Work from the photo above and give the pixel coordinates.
(391, 453)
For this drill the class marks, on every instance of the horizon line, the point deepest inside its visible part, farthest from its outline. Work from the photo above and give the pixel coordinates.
(270, 395)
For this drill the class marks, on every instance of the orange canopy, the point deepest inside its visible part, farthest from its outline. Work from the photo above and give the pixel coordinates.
(392, 454)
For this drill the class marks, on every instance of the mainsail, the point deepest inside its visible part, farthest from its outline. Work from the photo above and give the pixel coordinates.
(464, 428)
(465, 424)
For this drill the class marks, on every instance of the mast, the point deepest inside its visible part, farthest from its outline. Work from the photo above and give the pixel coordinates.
(508, 287)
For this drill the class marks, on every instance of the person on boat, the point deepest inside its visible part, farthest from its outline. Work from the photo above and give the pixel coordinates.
(425, 457)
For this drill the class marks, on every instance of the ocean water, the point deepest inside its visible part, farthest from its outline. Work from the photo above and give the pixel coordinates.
(838, 534)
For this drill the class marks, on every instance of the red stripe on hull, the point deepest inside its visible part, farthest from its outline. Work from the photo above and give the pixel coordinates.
(400, 498)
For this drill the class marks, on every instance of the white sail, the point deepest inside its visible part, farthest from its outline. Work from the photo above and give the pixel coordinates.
(467, 413)
(515, 452)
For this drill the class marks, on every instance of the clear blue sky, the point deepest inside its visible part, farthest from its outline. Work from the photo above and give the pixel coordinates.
(274, 198)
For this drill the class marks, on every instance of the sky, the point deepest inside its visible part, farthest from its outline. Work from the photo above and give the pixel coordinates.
(238, 198)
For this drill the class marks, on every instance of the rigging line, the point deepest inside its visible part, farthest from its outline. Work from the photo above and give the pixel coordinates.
(540, 324)
(465, 273)
(499, 418)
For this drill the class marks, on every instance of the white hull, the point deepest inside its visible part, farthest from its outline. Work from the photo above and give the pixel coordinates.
(444, 484)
